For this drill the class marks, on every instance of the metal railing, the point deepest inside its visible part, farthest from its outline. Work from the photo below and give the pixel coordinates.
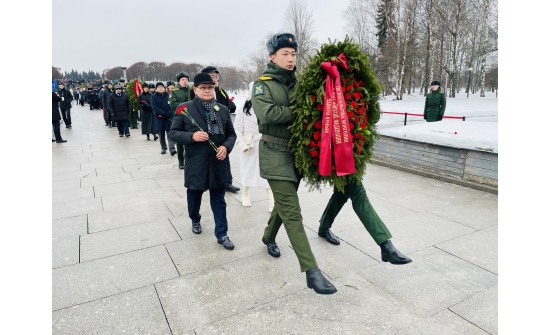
(415, 114)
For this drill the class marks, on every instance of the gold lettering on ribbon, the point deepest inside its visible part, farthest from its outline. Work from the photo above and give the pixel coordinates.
(328, 103)
(337, 133)
(343, 113)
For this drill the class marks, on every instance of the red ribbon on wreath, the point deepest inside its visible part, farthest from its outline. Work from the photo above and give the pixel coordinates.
(336, 137)
(137, 87)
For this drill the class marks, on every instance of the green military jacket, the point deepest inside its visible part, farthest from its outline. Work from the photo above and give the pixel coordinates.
(178, 95)
(435, 105)
(271, 102)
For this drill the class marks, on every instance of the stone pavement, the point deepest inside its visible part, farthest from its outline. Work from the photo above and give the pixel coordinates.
(126, 262)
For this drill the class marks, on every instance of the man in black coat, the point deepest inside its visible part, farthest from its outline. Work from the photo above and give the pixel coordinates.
(119, 109)
(204, 127)
(223, 98)
(65, 104)
(147, 115)
(106, 116)
(56, 117)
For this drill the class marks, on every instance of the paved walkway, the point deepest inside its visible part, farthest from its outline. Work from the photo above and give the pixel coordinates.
(126, 262)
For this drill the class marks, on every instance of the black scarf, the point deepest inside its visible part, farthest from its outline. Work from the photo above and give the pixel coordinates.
(213, 118)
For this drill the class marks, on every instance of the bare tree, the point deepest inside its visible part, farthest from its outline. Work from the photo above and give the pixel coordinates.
(56, 74)
(484, 43)
(360, 23)
(157, 70)
(137, 70)
(299, 21)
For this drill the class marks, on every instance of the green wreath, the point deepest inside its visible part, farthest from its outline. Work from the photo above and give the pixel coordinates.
(361, 93)
(130, 90)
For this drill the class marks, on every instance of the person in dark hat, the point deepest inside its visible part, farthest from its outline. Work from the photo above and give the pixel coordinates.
(163, 117)
(204, 127)
(119, 108)
(179, 95)
(56, 117)
(271, 103)
(434, 107)
(65, 104)
(223, 98)
(148, 125)
(170, 86)
(106, 116)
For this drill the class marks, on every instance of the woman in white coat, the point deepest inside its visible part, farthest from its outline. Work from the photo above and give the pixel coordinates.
(248, 140)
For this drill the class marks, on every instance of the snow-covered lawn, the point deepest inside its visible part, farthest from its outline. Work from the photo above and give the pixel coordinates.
(479, 131)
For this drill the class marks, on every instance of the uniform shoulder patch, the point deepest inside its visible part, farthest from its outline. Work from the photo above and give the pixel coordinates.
(175, 89)
(265, 78)
(259, 89)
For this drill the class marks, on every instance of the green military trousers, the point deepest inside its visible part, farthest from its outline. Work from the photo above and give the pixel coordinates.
(179, 149)
(133, 119)
(287, 210)
(362, 207)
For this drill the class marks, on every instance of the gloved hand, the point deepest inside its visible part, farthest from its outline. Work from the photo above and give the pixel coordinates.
(439, 117)
(232, 107)
(425, 116)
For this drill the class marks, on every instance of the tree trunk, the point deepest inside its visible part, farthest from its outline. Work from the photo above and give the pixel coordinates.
(484, 47)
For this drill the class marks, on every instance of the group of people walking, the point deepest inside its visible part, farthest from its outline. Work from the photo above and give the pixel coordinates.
(197, 124)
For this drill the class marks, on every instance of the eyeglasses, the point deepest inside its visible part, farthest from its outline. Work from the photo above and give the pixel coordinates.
(214, 75)
(205, 88)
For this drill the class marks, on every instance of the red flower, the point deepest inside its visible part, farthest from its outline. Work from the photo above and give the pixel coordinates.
(356, 95)
(363, 123)
(314, 153)
(317, 125)
(362, 111)
(347, 96)
(311, 144)
(313, 98)
(353, 104)
(356, 84)
(345, 81)
(320, 107)
(316, 135)
(356, 119)
(361, 84)
(350, 114)
(349, 88)
(357, 135)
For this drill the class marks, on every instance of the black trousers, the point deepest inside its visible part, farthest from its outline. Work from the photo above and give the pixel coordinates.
(218, 205)
(66, 114)
(56, 130)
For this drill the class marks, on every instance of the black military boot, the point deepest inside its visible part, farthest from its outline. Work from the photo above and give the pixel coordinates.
(330, 237)
(392, 255)
(318, 282)
(272, 248)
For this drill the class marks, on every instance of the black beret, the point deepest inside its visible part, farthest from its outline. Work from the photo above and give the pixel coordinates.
(278, 41)
(209, 69)
(202, 78)
(160, 83)
(180, 75)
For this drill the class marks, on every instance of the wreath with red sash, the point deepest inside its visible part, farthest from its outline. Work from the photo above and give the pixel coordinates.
(335, 109)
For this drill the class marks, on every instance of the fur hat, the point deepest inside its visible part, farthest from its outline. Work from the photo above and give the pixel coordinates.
(160, 83)
(436, 82)
(209, 69)
(118, 87)
(283, 40)
(180, 75)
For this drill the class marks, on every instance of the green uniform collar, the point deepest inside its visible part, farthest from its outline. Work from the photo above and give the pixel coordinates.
(284, 76)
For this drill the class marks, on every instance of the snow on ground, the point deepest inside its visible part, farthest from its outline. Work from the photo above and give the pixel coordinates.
(479, 131)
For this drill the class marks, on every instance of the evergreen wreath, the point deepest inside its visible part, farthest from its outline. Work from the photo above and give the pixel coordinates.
(131, 91)
(361, 94)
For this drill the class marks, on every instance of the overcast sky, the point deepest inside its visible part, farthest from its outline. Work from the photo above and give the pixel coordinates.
(101, 34)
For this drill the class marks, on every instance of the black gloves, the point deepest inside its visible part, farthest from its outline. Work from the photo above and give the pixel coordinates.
(439, 117)
(232, 107)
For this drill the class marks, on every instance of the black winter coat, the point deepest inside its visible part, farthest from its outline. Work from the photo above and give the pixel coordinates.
(67, 98)
(56, 115)
(203, 170)
(105, 96)
(162, 110)
(119, 106)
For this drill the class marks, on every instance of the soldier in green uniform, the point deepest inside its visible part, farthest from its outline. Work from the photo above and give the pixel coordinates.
(271, 102)
(366, 213)
(179, 95)
(434, 108)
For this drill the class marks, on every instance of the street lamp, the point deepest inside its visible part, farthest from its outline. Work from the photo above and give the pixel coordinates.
(469, 80)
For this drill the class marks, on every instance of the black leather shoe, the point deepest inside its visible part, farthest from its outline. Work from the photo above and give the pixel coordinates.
(173, 152)
(227, 244)
(61, 141)
(182, 166)
(331, 238)
(392, 255)
(232, 189)
(127, 134)
(163, 151)
(156, 138)
(196, 227)
(120, 135)
(272, 248)
(318, 282)
(106, 124)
